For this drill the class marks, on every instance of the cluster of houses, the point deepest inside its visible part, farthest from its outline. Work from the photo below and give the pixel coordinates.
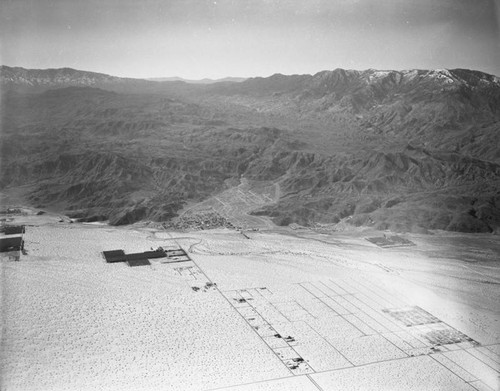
(11, 240)
(143, 259)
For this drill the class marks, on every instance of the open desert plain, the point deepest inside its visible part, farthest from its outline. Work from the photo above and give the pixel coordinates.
(269, 309)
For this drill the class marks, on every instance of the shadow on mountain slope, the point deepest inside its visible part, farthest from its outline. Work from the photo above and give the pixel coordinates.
(410, 150)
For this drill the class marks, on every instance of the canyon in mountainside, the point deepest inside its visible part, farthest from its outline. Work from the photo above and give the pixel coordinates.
(410, 151)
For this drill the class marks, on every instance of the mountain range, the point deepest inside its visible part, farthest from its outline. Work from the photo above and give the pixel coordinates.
(411, 150)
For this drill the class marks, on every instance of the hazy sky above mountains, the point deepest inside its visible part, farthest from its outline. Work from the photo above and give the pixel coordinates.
(217, 38)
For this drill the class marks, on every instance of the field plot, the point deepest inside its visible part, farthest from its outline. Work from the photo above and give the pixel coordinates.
(272, 312)
(391, 241)
(350, 324)
(346, 325)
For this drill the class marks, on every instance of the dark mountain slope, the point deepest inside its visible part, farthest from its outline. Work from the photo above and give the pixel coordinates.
(410, 189)
(406, 150)
(435, 109)
(127, 157)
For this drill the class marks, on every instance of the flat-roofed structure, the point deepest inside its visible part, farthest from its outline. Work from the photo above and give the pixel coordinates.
(14, 229)
(142, 259)
(138, 262)
(113, 256)
(145, 255)
(11, 243)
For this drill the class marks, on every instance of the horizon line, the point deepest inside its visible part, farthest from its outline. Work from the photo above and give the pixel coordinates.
(150, 78)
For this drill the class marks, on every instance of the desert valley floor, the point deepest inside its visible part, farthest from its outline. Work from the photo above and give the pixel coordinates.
(275, 309)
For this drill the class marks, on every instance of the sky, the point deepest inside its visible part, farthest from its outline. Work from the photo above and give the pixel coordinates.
(198, 39)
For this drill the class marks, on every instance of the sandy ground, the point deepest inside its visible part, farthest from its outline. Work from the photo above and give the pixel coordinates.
(291, 310)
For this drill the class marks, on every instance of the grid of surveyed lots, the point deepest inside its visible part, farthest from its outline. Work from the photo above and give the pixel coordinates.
(194, 277)
(317, 326)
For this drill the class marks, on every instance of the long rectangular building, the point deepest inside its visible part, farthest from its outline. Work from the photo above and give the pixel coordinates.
(14, 229)
(112, 256)
(11, 243)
